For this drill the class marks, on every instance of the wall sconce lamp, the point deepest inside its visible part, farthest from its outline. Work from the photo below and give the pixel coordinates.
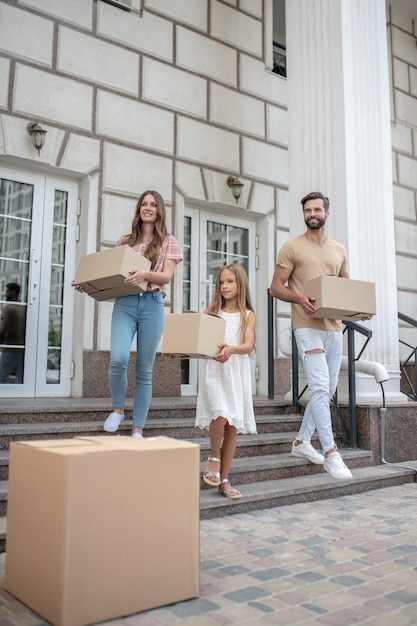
(236, 186)
(37, 135)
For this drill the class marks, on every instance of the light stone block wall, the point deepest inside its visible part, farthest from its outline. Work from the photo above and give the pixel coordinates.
(235, 110)
(4, 81)
(35, 39)
(98, 61)
(407, 170)
(205, 144)
(402, 33)
(145, 170)
(173, 96)
(80, 154)
(116, 210)
(254, 80)
(254, 7)
(174, 88)
(236, 28)
(401, 77)
(77, 12)
(120, 91)
(185, 11)
(402, 138)
(136, 32)
(135, 122)
(413, 81)
(265, 162)
(214, 60)
(52, 98)
(277, 124)
(176, 98)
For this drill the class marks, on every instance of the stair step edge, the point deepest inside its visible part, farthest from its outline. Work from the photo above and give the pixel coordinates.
(302, 484)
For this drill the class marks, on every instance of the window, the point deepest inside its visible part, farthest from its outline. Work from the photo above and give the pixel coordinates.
(279, 48)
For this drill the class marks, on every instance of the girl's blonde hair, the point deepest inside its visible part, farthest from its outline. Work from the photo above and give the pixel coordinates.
(160, 227)
(243, 296)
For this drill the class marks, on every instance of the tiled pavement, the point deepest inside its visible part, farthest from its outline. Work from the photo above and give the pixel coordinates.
(351, 560)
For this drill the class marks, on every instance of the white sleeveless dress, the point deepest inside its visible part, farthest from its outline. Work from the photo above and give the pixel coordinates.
(226, 388)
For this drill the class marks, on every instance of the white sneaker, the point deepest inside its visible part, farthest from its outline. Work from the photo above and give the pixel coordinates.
(113, 422)
(334, 465)
(306, 451)
(137, 435)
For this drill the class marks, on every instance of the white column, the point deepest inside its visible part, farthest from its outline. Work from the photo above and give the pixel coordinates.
(340, 144)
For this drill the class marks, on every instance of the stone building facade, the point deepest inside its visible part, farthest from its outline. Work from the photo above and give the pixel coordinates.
(177, 97)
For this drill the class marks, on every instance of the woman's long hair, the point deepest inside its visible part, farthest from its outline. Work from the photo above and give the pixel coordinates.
(243, 296)
(160, 228)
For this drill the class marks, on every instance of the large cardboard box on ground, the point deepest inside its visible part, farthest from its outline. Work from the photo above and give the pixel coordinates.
(342, 298)
(102, 274)
(102, 527)
(193, 334)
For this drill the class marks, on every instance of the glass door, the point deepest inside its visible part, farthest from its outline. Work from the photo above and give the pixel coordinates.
(210, 242)
(37, 253)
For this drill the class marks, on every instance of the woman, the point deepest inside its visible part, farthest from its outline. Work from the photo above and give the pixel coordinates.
(141, 314)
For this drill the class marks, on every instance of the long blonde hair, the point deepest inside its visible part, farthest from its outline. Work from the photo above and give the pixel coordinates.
(243, 296)
(160, 228)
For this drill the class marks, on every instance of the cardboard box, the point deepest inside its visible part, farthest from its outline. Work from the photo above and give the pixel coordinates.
(342, 298)
(102, 527)
(102, 274)
(194, 335)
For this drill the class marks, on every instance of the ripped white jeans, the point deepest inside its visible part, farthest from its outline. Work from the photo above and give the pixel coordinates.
(322, 373)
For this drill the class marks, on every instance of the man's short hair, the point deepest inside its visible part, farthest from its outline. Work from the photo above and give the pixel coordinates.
(316, 195)
(14, 287)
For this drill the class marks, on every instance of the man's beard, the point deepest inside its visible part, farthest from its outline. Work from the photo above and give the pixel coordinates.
(316, 225)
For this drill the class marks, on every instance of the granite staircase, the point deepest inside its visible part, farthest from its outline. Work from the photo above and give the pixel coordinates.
(263, 469)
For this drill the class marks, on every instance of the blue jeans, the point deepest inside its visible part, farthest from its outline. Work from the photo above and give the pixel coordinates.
(322, 373)
(142, 314)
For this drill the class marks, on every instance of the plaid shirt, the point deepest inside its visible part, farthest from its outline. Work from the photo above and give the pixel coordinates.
(170, 249)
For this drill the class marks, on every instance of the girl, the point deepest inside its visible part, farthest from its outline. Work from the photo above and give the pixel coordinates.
(141, 314)
(224, 402)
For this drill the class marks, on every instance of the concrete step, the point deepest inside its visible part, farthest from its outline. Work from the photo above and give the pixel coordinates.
(247, 470)
(247, 445)
(263, 467)
(258, 445)
(178, 428)
(273, 493)
(32, 410)
(4, 485)
(248, 467)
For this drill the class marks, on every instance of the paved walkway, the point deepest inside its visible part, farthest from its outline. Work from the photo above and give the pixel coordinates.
(351, 560)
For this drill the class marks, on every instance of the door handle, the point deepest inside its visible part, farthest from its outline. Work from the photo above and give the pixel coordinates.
(207, 288)
(33, 286)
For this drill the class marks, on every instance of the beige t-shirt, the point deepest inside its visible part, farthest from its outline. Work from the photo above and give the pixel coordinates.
(306, 260)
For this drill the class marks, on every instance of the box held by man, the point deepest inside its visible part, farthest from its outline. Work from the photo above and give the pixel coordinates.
(342, 298)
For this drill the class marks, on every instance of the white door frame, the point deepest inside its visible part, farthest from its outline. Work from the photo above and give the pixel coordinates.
(39, 286)
(198, 273)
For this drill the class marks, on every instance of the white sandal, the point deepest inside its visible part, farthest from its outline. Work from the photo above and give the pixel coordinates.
(208, 476)
(231, 493)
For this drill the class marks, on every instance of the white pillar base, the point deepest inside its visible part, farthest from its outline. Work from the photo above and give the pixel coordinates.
(368, 391)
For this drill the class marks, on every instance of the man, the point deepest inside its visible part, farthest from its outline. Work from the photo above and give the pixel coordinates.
(319, 340)
(12, 333)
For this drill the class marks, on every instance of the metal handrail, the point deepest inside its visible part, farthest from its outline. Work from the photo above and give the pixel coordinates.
(351, 328)
(412, 393)
(271, 368)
